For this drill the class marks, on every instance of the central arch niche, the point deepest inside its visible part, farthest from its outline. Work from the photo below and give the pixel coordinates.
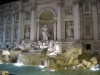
(46, 18)
(46, 15)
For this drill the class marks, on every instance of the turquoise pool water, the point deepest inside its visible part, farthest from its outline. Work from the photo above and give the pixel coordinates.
(36, 70)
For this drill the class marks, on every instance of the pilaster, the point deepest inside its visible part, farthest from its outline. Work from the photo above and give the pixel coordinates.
(33, 26)
(76, 20)
(95, 21)
(59, 21)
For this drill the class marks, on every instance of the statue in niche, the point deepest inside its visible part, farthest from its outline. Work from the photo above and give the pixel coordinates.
(45, 33)
(27, 33)
(69, 31)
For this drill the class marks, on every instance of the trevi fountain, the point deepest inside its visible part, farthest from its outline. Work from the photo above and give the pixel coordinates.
(46, 57)
(50, 37)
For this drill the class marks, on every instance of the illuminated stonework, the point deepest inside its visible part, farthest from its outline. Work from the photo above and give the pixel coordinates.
(67, 21)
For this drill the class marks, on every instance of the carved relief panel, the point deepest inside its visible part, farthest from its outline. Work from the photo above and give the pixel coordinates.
(68, 10)
(27, 15)
(69, 30)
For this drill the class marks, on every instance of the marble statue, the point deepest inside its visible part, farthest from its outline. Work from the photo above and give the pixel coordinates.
(23, 46)
(69, 31)
(27, 33)
(3, 72)
(54, 49)
(91, 63)
(45, 33)
(72, 54)
(6, 57)
(51, 56)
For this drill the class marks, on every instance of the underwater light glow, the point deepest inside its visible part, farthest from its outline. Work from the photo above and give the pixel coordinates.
(42, 70)
(18, 64)
(65, 67)
(80, 65)
(94, 69)
(41, 66)
(52, 70)
(74, 67)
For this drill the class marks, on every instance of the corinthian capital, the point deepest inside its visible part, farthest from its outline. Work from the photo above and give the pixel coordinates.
(60, 3)
(5, 14)
(20, 10)
(37, 20)
(75, 2)
(55, 19)
(33, 7)
(94, 3)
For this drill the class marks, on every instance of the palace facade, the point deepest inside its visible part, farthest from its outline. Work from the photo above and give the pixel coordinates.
(66, 20)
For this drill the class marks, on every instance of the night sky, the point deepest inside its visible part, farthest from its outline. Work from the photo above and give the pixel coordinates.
(6, 1)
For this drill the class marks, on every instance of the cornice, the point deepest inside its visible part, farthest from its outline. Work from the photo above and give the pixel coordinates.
(38, 2)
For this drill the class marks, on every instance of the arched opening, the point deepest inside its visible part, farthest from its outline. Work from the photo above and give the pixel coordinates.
(46, 17)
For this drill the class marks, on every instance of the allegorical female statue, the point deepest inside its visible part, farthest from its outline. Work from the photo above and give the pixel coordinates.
(45, 33)
(69, 31)
(27, 33)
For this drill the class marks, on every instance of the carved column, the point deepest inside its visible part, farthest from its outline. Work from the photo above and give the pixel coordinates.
(37, 29)
(76, 20)
(95, 21)
(12, 27)
(81, 21)
(55, 28)
(32, 27)
(59, 22)
(63, 21)
(20, 26)
(4, 30)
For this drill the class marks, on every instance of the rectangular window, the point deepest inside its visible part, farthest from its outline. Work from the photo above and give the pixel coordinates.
(88, 29)
(88, 46)
(7, 46)
(1, 18)
(1, 33)
(16, 33)
(99, 6)
(86, 7)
